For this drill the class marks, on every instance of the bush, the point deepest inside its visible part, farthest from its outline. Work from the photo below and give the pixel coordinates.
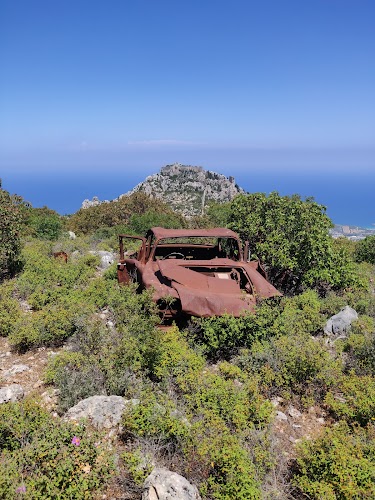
(360, 347)
(42, 457)
(365, 250)
(340, 464)
(290, 236)
(120, 212)
(10, 310)
(221, 337)
(12, 217)
(49, 327)
(353, 399)
(45, 224)
(206, 449)
(298, 365)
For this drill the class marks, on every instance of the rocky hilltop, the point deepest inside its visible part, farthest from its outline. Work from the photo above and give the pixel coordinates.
(188, 189)
(185, 188)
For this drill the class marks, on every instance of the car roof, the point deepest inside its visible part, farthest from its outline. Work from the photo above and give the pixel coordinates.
(218, 232)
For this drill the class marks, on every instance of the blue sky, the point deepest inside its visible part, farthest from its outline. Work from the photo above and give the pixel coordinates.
(87, 82)
(273, 84)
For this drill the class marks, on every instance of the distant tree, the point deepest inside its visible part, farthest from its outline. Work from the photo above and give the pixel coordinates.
(45, 223)
(290, 236)
(365, 251)
(12, 216)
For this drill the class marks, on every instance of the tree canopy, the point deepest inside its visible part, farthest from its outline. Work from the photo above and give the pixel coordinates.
(291, 237)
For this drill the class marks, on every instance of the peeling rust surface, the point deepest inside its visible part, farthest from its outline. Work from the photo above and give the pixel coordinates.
(203, 270)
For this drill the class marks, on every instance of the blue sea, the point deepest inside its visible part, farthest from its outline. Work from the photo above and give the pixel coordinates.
(349, 197)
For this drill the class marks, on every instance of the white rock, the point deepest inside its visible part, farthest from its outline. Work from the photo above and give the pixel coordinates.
(293, 412)
(339, 324)
(281, 416)
(106, 258)
(104, 412)
(163, 484)
(11, 393)
(14, 370)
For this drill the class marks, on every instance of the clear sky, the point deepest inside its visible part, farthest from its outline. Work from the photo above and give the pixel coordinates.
(241, 83)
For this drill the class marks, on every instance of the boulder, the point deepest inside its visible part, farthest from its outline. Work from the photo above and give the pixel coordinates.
(11, 393)
(106, 258)
(339, 324)
(103, 412)
(14, 370)
(72, 235)
(163, 484)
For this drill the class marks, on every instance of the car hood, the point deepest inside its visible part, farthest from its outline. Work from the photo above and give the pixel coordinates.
(203, 295)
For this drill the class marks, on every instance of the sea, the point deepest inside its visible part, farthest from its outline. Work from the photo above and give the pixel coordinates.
(349, 197)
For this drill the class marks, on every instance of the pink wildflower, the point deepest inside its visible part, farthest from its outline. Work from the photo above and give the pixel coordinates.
(76, 441)
(21, 489)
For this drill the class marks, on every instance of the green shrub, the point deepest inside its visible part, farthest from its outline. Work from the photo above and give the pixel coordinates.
(10, 310)
(365, 250)
(218, 459)
(297, 364)
(49, 327)
(76, 376)
(220, 337)
(299, 314)
(340, 464)
(45, 224)
(209, 452)
(353, 399)
(360, 352)
(12, 217)
(290, 236)
(175, 358)
(42, 457)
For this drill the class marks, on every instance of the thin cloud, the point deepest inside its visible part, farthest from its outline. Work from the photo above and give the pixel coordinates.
(162, 142)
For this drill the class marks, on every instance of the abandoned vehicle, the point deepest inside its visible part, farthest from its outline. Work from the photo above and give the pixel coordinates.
(195, 272)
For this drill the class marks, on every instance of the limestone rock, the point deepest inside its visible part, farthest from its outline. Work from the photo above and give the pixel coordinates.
(14, 370)
(293, 412)
(187, 188)
(106, 258)
(281, 416)
(11, 393)
(163, 484)
(339, 324)
(104, 412)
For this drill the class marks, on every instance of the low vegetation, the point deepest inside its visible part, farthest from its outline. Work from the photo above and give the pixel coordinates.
(205, 393)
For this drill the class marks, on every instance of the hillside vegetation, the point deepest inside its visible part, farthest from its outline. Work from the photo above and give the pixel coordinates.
(263, 406)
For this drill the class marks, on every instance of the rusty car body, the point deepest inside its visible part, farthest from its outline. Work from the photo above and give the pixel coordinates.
(195, 272)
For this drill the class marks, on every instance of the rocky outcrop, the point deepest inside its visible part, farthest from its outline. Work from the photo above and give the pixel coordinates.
(339, 324)
(92, 203)
(106, 258)
(103, 412)
(162, 484)
(11, 393)
(185, 188)
(188, 189)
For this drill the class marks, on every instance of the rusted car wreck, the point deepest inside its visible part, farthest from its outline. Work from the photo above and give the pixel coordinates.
(196, 272)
